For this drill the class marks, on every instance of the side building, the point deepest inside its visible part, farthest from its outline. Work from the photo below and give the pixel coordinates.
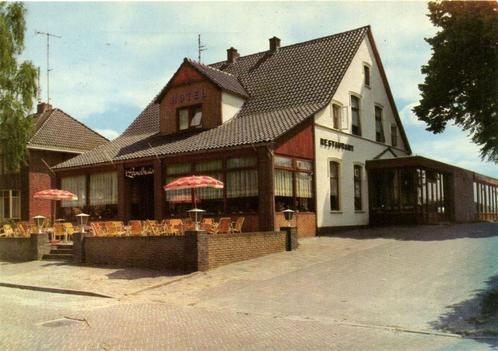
(291, 127)
(57, 138)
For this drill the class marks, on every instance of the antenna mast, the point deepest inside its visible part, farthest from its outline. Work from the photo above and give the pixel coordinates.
(200, 47)
(38, 87)
(48, 35)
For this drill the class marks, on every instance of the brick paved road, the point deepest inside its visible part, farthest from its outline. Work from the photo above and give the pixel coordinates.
(305, 300)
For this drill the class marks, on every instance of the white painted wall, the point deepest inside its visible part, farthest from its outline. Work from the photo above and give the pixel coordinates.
(365, 147)
(230, 106)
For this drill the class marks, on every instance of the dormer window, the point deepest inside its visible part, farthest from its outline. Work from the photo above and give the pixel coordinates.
(189, 117)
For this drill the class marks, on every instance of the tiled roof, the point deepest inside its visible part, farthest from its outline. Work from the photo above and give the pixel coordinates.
(285, 87)
(55, 129)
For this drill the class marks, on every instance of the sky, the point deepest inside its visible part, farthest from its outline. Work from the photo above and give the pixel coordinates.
(114, 57)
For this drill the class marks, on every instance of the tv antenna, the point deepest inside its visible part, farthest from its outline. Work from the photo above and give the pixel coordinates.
(200, 47)
(48, 35)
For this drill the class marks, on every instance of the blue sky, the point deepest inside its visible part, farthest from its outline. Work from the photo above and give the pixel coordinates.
(113, 58)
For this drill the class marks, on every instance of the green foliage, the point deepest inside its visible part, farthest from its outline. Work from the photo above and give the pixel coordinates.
(461, 78)
(17, 87)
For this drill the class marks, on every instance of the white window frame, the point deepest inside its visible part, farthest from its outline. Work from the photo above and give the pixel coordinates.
(360, 112)
(339, 180)
(382, 119)
(364, 192)
(11, 203)
(369, 66)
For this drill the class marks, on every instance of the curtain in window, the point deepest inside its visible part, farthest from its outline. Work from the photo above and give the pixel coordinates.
(211, 193)
(207, 166)
(76, 185)
(103, 189)
(181, 168)
(242, 183)
(16, 204)
(240, 162)
(283, 183)
(303, 185)
(181, 195)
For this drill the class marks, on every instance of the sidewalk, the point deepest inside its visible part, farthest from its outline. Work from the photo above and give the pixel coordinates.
(65, 277)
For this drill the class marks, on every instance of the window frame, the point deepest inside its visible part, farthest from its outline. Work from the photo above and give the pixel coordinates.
(382, 139)
(295, 169)
(338, 165)
(353, 109)
(336, 123)
(192, 109)
(367, 68)
(11, 202)
(359, 180)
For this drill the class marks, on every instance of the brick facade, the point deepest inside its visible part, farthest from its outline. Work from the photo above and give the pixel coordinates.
(24, 249)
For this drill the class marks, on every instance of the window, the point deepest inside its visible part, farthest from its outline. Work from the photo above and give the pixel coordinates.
(334, 185)
(355, 116)
(357, 188)
(394, 135)
(379, 128)
(103, 189)
(10, 204)
(242, 184)
(293, 184)
(189, 117)
(336, 116)
(76, 185)
(366, 73)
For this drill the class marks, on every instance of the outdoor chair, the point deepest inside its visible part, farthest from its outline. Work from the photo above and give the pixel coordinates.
(136, 227)
(111, 229)
(224, 226)
(175, 226)
(237, 225)
(22, 229)
(68, 229)
(59, 232)
(152, 227)
(7, 230)
(119, 227)
(96, 229)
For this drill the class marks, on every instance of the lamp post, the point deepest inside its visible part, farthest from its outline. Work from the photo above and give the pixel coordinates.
(39, 220)
(288, 215)
(196, 217)
(82, 220)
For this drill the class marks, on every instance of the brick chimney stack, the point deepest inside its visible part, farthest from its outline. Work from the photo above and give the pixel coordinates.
(232, 55)
(42, 107)
(274, 44)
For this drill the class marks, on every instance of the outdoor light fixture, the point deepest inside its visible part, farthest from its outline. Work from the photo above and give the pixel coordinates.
(39, 220)
(82, 220)
(288, 215)
(196, 217)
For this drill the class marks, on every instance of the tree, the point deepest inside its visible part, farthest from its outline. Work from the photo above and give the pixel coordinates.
(461, 77)
(17, 87)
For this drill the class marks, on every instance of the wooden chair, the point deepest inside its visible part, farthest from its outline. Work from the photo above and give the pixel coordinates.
(96, 229)
(22, 229)
(175, 226)
(237, 225)
(68, 229)
(111, 229)
(224, 226)
(59, 232)
(119, 227)
(7, 230)
(152, 227)
(136, 227)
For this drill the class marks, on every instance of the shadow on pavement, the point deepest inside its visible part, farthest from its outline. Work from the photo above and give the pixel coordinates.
(422, 232)
(133, 273)
(475, 318)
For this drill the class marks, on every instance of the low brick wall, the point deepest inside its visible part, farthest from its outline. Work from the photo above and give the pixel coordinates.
(221, 249)
(157, 252)
(24, 249)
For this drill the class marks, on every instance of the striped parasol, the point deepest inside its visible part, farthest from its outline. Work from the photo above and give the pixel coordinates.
(194, 182)
(55, 194)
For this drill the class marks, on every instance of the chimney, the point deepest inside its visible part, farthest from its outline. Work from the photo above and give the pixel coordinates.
(274, 44)
(232, 55)
(42, 107)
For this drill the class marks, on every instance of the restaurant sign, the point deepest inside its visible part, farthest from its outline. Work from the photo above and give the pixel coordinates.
(335, 144)
(134, 172)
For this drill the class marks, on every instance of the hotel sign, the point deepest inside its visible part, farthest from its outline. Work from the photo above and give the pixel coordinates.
(335, 144)
(133, 172)
(189, 97)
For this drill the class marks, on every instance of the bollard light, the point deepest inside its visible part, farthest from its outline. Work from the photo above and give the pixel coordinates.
(82, 220)
(196, 216)
(39, 220)
(288, 215)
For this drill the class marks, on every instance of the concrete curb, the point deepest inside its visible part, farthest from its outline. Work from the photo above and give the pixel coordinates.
(136, 292)
(55, 290)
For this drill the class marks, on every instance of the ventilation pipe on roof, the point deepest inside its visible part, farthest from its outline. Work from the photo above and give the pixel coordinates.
(232, 55)
(274, 44)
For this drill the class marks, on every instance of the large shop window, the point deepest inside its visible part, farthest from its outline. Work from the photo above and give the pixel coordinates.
(76, 185)
(211, 198)
(357, 188)
(242, 185)
(355, 115)
(10, 204)
(103, 195)
(293, 184)
(178, 201)
(334, 185)
(486, 201)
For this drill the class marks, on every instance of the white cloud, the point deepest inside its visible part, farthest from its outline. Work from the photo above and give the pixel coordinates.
(108, 133)
(408, 117)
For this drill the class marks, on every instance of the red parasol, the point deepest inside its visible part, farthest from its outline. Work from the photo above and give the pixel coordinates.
(55, 195)
(193, 182)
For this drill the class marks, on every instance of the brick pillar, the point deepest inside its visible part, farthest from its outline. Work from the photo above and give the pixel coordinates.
(40, 245)
(291, 242)
(159, 196)
(266, 190)
(196, 251)
(79, 247)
